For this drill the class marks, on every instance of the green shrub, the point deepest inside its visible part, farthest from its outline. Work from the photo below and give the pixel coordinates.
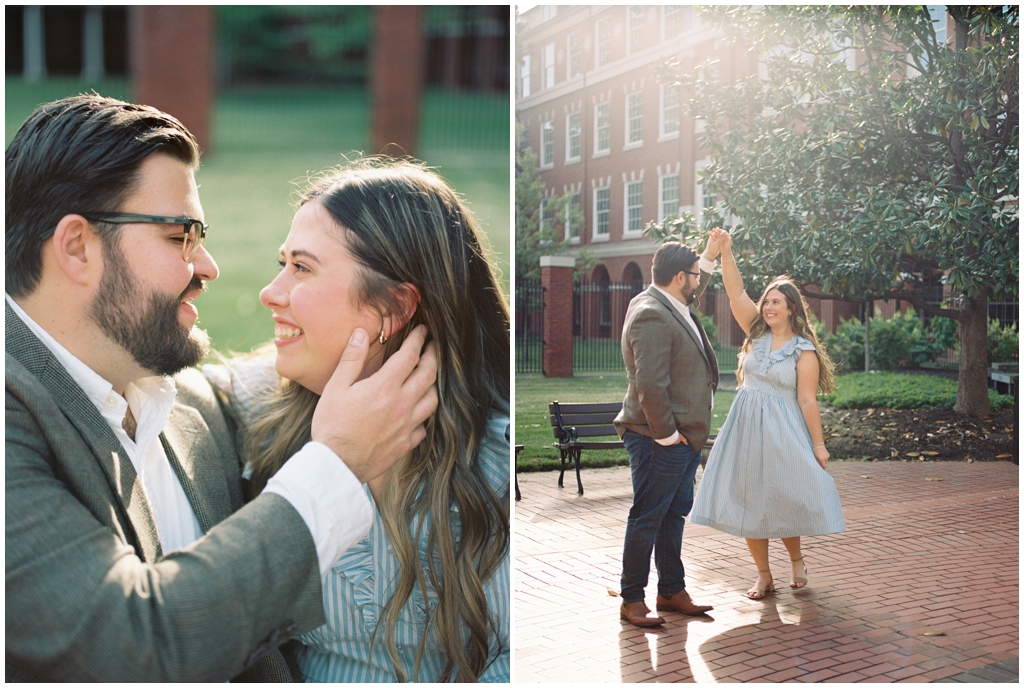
(846, 346)
(946, 333)
(900, 391)
(1003, 342)
(900, 342)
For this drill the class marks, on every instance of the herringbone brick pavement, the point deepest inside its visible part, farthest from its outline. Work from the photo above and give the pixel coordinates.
(918, 556)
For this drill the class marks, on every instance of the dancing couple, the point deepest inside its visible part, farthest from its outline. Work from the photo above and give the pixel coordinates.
(765, 477)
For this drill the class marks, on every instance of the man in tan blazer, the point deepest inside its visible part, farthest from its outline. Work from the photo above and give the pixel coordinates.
(664, 422)
(129, 555)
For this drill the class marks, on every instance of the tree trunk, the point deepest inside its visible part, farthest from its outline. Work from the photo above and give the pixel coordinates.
(972, 385)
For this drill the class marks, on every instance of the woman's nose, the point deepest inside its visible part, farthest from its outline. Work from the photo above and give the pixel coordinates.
(274, 296)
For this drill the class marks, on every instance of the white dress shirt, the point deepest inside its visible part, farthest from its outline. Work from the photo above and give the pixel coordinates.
(327, 495)
(704, 265)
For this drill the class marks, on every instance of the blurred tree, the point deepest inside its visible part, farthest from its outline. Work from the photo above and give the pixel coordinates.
(871, 157)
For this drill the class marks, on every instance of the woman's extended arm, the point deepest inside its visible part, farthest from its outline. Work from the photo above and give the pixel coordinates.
(807, 397)
(743, 308)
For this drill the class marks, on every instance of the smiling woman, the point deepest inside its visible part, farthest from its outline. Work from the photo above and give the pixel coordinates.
(385, 245)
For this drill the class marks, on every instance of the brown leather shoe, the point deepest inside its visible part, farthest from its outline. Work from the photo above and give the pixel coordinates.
(681, 602)
(638, 614)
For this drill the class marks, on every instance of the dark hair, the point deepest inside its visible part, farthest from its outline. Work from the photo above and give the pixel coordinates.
(671, 259)
(75, 155)
(403, 224)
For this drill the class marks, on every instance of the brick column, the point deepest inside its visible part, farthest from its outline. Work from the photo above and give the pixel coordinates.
(556, 278)
(172, 63)
(396, 77)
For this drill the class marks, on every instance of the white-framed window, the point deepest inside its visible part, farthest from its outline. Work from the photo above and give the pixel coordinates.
(668, 197)
(669, 111)
(547, 219)
(633, 222)
(548, 12)
(634, 119)
(602, 213)
(604, 42)
(636, 18)
(573, 219)
(602, 127)
(940, 24)
(524, 77)
(690, 17)
(547, 143)
(573, 137)
(549, 65)
(575, 54)
(672, 20)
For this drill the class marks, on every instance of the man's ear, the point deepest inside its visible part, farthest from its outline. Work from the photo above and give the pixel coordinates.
(407, 298)
(77, 250)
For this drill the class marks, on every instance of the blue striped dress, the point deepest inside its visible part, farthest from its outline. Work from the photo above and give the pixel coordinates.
(761, 479)
(360, 583)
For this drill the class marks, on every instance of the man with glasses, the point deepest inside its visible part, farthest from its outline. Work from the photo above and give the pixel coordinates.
(129, 554)
(664, 423)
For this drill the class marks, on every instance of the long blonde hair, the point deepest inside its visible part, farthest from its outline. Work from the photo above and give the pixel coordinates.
(801, 325)
(403, 224)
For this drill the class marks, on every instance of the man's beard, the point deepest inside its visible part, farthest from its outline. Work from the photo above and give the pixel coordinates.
(149, 330)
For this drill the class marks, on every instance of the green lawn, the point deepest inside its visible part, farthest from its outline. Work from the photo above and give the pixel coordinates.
(265, 141)
(533, 424)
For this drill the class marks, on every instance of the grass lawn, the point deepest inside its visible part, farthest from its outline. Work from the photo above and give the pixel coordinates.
(533, 424)
(265, 141)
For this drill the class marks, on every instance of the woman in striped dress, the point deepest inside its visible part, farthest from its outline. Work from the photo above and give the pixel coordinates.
(765, 477)
(386, 245)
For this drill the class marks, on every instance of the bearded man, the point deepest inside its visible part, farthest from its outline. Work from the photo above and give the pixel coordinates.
(129, 555)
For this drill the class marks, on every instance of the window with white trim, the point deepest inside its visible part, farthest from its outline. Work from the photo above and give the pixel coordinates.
(573, 136)
(940, 24)
(634, 207)
(602, 211)
(548, 12)
(524, 77)
(668, 202)
(635, 118)
(704, 198)
(575, 54)
(547, 219)
(604, 42)
(573, 218)
(547, 143)
(672, 20)
(669, 110)
(602, 127)
(549, 65)
(636, 18)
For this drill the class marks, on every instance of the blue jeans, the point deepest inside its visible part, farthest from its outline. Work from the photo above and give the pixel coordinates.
(662, 496)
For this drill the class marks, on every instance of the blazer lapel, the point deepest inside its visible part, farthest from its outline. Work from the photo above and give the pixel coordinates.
(195, 458)
(697, 339)
(26, 348)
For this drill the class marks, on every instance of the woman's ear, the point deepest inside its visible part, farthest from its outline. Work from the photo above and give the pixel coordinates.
(407, 300)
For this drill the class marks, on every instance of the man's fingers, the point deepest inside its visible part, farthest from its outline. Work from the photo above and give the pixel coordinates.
(425, 406)
(353, 358)
(425, 373)
(682, 438)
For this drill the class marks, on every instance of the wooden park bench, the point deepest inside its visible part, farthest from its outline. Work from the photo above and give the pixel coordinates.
(583, 426)
(576, 425)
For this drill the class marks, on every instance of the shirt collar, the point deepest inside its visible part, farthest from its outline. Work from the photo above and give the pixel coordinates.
(676, 303)
(151, 398)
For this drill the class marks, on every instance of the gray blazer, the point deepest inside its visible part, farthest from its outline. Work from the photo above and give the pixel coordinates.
(671, 375)
(90, 596)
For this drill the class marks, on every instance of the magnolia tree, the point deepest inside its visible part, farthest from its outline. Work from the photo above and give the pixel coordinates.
(870, 158)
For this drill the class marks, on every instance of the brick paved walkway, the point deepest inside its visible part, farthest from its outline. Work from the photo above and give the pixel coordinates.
(918, 556)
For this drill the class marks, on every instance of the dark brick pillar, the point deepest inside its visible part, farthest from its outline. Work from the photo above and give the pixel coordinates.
(396, 77)
(556, 278)
(172, 63)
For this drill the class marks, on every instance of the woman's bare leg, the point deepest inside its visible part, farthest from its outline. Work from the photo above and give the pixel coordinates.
(759, 551)
(799, 570)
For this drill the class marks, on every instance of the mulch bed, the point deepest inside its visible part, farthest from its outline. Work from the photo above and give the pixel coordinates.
(917, 435)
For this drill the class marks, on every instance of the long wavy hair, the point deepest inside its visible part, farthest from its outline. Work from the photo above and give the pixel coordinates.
(801, 325)
(403, 224)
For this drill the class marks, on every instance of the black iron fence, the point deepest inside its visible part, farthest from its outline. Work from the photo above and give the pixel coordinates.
(598, 312)
(529, 326)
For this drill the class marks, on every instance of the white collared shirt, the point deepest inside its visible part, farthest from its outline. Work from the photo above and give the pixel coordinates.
(704, 265)
(327, 495)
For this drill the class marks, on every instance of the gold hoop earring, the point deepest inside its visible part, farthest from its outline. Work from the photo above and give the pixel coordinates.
(382, 338)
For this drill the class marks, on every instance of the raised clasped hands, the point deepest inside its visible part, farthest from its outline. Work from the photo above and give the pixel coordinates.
(719, 241)
(371, 423)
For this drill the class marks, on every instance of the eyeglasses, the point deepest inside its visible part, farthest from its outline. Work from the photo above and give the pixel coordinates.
(695, 274)
(195, 231)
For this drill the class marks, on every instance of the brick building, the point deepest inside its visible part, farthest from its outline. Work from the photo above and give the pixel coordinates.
(608, 133)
